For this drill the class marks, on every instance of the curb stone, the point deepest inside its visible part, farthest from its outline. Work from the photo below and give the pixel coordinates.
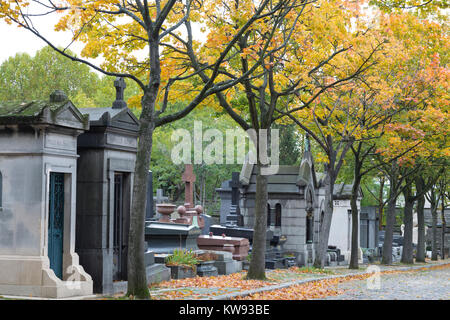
(292, 283)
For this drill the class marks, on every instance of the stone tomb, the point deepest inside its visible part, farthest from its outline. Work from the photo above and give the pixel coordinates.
(104, 183)
(369, 227)
(239, 247)
(38, 167)
(163, 237)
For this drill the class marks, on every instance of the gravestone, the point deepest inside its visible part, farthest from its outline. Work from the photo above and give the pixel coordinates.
(188, 213)
(225, 263)
(38, 167)
(149, 210)
(224, 193)
(234, 217)
(105, 184)
(189, 178)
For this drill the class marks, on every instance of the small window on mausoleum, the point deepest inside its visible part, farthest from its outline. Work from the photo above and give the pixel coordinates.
(278, 215)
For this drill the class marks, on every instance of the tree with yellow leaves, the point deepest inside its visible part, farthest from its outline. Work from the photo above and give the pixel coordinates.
(285, 61)
(144, 41)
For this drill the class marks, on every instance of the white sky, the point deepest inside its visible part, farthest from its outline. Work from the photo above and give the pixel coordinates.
(14, 40)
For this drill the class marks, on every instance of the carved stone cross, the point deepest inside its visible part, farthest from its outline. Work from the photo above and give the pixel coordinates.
(234, 184)
(307, 143)
(234, 217)
(120, 85)
(189, 179)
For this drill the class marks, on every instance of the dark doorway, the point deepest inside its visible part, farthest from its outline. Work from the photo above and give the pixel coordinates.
(56, 223)
(120, 228)
(278, 215)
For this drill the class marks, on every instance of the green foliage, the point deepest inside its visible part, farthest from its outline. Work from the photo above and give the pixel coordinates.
(423, 8)
(180, 257)
(24, 78)
(167, 175)
(290, 144)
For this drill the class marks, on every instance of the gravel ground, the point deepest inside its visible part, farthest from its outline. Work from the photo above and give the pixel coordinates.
(418, 285)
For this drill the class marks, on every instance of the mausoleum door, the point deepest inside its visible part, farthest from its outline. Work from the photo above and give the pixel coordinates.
(119, 240)
(56, 223)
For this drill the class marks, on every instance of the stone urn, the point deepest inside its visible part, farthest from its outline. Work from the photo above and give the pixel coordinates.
(165, 209)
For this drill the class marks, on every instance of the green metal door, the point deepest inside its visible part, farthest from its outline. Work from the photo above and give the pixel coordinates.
(56, 223)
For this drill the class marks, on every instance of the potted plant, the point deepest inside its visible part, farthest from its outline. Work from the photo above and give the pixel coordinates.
(182, 264)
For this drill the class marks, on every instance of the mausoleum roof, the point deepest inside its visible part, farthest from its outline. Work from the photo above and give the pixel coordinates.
(114, 117)
(60, 112)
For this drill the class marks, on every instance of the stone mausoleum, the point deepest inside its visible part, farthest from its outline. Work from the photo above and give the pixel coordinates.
(38, 168)
(104, 185)
(296, 198)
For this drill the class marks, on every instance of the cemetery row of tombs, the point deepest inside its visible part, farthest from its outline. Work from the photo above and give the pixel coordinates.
(66, 177)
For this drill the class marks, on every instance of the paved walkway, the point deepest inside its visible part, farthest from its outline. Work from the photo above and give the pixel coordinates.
(414, 284)
(286, 279)
(433, 284)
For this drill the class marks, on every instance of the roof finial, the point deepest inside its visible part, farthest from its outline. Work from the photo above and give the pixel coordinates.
(120, 85)
(58, 96)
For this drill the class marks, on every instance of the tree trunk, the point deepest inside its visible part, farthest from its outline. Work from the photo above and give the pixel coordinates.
(321, 250)
(355, 225)
(258, 261)
(381, 204)
(420, 255)
(443, 227)
(434, 254)
(407, 253)
(137, 278)
(389, 230)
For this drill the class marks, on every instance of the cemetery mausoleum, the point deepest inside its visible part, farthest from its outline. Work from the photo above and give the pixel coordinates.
(104, 186)
(296, 196)
(38, 168)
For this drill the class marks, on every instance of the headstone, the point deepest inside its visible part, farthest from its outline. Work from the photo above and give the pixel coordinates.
(208, 222)
(189, 178)
(207, 269)
(224, 193)
(225, 263)
(234, 217)
(149, 207)
(189, 213)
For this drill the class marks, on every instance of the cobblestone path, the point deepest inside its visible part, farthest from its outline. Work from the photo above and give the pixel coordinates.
(431, 284)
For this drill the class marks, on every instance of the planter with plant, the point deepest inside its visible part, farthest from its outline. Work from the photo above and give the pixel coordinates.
(182, 264)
